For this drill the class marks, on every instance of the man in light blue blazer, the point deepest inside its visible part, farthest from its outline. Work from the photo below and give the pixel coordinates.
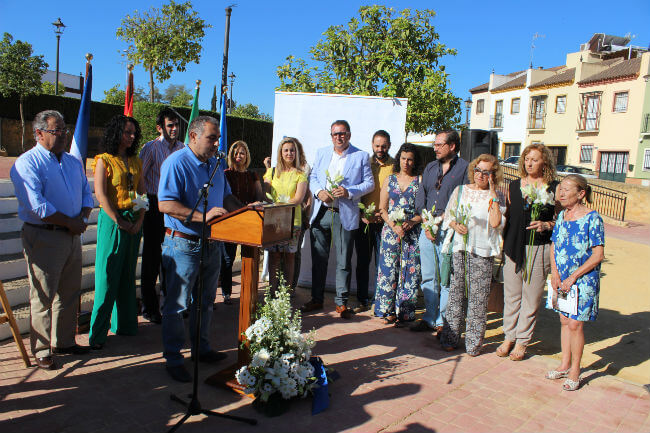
(336, 213)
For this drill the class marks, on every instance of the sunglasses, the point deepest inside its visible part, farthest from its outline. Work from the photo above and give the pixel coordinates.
(57, 131)
(482, 172)
(339, 134)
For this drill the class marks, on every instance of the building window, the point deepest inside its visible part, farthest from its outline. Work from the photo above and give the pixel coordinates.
(620, 102)
(586, 152)
(646, 160)
(589, 115)
(480, 106)
(497, 119)
(514, 105)
(560, 104)
(537, 116)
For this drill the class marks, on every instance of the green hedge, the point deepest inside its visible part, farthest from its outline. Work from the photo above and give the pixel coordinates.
(258, 134)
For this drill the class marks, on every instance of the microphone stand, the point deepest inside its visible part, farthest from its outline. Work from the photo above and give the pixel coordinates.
(194, 406)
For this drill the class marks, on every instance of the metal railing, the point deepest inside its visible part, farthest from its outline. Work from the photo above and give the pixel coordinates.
(606, 201)
(645, 124)
(496, 121)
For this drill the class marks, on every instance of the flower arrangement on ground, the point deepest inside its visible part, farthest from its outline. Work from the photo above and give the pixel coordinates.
(279, 352)
(536, 198)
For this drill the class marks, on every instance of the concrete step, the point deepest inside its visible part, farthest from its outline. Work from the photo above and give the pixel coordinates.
(11, 243)
(11, 222)
(17, 290)
(8, 205)
(7, 187)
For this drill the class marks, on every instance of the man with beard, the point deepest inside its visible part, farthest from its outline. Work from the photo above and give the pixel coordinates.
(153, 154)
(369, 240)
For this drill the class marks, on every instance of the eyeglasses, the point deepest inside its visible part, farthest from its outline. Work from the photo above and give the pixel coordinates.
(339, 134)
(482, 172)
(439, 144)
(57, 131)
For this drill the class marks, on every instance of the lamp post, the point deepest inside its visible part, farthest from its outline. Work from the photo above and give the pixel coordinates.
(468, 106)
(232, 77)
(58, 32)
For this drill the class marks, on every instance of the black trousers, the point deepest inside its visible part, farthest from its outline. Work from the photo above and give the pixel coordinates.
(227, 260)
(153, 233)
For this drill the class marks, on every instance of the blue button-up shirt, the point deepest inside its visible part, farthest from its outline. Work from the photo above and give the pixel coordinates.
(44, 185)
(182, 174)
(436, 187)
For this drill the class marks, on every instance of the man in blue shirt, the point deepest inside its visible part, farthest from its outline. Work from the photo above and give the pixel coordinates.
(439, 180)
(54, 201)
(182, 174)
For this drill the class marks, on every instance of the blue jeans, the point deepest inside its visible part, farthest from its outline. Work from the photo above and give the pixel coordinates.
(180, 265)
(325, 231)
(435, 295)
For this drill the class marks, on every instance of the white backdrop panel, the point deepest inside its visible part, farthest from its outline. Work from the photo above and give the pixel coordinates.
(308, 116)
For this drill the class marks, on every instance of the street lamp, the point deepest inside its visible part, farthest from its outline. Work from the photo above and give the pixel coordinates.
(232, 77)
(58, 32)
(468, 106)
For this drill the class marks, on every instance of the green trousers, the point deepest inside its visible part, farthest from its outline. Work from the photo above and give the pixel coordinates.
(115, 304)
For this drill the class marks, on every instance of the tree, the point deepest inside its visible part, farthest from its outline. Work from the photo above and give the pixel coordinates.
(163, 40)
(20, 73)
(249, 110)
(49, 89)
(382, 54)
(178, 95)
(115, 95)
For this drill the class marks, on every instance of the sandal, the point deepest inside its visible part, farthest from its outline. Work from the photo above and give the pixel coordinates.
(571, 385)
(518, 353)
(557, 374)
(389, 320)
(504, 349)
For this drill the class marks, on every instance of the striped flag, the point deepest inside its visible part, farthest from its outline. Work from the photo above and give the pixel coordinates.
(79, 147)
(128, 96)
(223, 140)
(193, 115)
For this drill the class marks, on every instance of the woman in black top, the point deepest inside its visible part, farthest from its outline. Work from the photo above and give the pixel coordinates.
(526, 268)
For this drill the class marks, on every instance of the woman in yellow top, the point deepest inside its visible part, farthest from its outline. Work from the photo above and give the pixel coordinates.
(287, 184)
(118, 176)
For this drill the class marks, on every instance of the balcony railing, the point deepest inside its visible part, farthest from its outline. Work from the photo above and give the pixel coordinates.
(496, 121)
(537, 120)
(645, 124)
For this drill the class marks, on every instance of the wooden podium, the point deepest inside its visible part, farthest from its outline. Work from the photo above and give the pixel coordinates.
(251, 227)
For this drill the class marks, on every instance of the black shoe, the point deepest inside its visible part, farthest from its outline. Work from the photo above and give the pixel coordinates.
(153, 318)
(361, 308)
(179, 373)
(211, 357)
(420, 326)
(46, 363)
(75, 350)
(97, 346)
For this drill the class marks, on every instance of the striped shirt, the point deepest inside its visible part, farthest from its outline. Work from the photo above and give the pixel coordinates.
(152, 155)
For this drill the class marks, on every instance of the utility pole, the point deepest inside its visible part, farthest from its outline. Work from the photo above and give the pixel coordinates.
(226, 43)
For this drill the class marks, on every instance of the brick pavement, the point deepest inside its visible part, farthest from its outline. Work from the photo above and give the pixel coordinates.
(392, 380)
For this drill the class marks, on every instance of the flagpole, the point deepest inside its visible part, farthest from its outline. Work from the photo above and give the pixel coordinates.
(195, 110)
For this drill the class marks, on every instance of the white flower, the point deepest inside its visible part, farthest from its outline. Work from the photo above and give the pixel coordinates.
(141, 202)
(397, 215)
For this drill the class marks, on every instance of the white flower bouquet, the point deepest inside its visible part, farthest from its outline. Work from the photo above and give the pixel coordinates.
(461, 215)
(397, 216)
(368, 212)
(536, 199)
(277, 198)
(333, 181)
(430, 222)
(279, 352)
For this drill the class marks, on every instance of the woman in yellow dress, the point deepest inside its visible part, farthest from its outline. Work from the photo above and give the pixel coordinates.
(118, 176)
(287, 184)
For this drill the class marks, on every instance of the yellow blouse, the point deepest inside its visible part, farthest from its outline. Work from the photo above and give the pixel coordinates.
(286, 184)
(119, 188)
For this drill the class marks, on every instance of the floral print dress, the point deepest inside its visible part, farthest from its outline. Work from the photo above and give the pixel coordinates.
(572, 246)
(398, 275)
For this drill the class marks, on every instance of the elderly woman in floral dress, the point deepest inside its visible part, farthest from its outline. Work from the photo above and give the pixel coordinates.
(578, 249)
(398, 274)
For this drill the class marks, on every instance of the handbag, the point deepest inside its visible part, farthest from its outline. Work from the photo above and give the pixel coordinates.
(445, 263)
(495, 299)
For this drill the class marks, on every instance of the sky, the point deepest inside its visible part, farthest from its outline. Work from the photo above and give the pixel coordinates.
(487, 36)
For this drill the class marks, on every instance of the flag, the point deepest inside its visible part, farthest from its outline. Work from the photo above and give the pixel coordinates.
(128, 96)
(223, 140)
(193, 115)
(79, 147)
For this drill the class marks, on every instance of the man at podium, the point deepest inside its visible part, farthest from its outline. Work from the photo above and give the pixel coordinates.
(182, 175)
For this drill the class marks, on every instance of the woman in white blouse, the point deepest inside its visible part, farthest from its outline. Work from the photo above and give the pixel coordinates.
(474, 241)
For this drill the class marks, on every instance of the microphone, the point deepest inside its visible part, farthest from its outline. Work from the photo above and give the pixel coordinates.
(220, 155)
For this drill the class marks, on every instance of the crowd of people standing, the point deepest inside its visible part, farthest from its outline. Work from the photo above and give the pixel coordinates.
(438, 229)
